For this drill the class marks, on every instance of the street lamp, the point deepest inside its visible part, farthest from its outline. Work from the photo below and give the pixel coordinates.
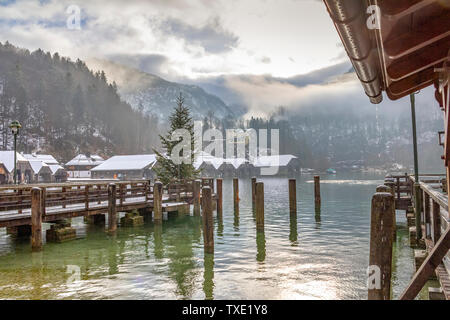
(15, 127)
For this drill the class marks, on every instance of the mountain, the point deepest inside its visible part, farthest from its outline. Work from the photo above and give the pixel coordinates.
(156, 96)
(65, 108)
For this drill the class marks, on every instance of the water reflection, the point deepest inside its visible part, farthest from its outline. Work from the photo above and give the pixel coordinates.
(317, 217)
(220, 226)
(293, 235)
(208, 276)
(158, 242)
(260, 246)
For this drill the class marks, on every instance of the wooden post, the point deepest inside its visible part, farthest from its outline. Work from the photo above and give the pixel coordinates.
(317, 200)
(259, 206)
(385, 188)
(112, 213)
(36, 219)
(19, 200)
(86, 197)
(426, 214)
(418, 207)
(381, 239)
(292, 196)
(99, 194)
(236, 195)
(64, 197)
(121, 193)
(207, 217)
(219, 197)
(211, 184)
(43, 200)
(436, 222)
(253, 190)
(157, 202)
(196, 195)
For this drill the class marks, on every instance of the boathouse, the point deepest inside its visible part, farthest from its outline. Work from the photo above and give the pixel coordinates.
(24, 171)
(126, 167)
(80, 166)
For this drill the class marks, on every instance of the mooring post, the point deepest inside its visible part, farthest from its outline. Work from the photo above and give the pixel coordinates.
(385, 188)
(253, 190)
(207, 218)
(219, 197)
(36, 219)
(418, 209)
(259, 206)
(236, 195)
(317, 200)
(157, 202)
(196, 195)
(112, 212)
(381, 239)
(292, 196)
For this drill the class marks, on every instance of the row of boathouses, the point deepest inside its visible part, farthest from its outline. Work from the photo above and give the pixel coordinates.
(43, 168)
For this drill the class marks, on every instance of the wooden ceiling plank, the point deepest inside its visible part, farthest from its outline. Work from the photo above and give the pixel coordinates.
(393, 10)
(419, 60)
(404, 44)
(413, 82)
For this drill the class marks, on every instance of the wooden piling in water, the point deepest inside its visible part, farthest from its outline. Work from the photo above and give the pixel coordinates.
(157, 202)
(207, 218)
(36, 219)
(292, 196)
(236, 195)
(317, 200)
(259, 206)
(253, 190)
(381, 239)
(112, 212)
(219, 197)
(196, 196)
(385, 188)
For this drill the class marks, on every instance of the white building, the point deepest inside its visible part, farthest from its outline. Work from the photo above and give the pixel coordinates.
(80, 166)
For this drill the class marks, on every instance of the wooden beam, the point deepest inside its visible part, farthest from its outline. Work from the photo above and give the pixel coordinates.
(401, 45)
(430, 56)
(399, 8)
(427, 268)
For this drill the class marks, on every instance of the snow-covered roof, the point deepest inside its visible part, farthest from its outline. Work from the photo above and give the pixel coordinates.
(37, 165)
(203, 157)
(55, 168)
(83, 160)
(235, 162)
(131, 162)
(281, 160)
(47, 158)
(7, 158)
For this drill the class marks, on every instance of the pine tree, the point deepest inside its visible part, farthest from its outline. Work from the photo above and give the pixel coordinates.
(166, 169)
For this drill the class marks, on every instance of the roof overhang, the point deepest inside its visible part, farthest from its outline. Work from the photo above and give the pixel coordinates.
(398, 46)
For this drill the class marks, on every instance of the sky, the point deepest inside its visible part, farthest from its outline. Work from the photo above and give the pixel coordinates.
(257, 53)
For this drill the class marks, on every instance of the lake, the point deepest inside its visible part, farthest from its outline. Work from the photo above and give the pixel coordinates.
(309, 257)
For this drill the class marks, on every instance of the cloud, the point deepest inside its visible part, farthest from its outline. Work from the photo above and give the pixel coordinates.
(212, 36)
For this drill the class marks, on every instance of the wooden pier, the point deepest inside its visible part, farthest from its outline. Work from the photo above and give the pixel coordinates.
(431, 241)
(31, 205)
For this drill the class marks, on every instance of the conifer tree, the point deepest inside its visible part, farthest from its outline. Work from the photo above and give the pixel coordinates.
(167, 170)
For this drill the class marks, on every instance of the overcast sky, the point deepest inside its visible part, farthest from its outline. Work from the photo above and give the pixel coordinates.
(193, 38)
(257, 51)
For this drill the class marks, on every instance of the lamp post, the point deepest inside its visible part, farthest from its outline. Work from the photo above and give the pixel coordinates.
(15, 127)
